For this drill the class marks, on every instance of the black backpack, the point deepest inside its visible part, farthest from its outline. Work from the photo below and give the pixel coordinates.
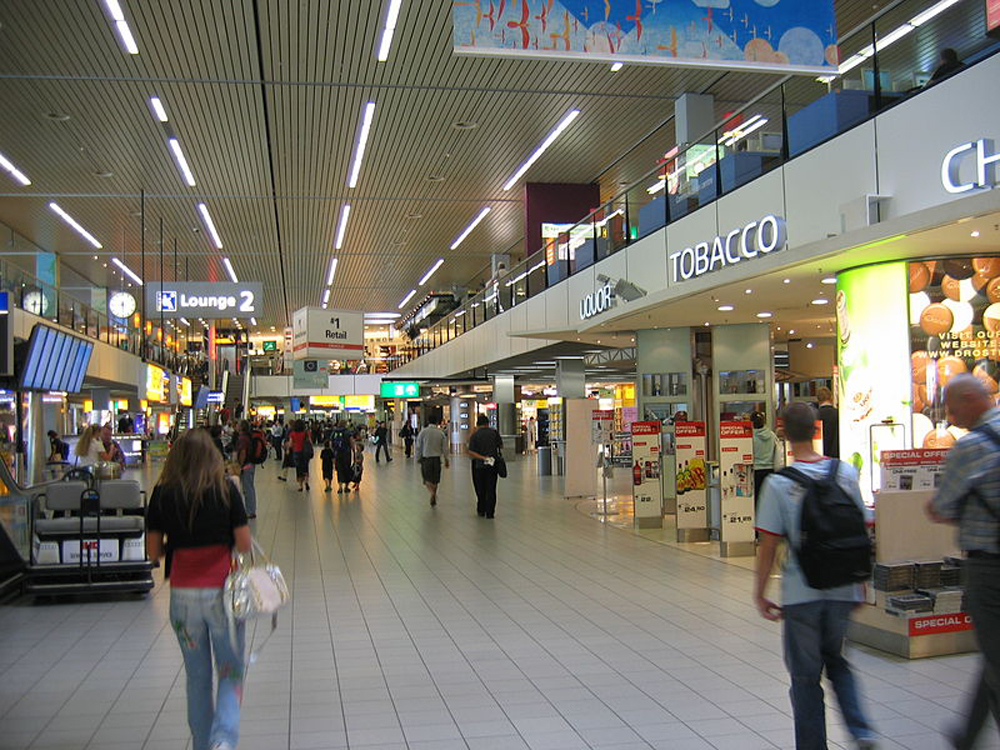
(834, 546)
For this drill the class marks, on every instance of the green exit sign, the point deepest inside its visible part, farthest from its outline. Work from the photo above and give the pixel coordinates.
(270, 346)
(400, 390)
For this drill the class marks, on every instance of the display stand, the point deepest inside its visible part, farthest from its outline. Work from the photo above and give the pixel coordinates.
(581, 475)
(691, 472)
(736, 530)
(601, 431)
(647, 490)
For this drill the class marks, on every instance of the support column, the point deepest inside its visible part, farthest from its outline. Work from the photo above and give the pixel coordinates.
(503, 396)
(37, 442)
(571, 378)
(694, 115)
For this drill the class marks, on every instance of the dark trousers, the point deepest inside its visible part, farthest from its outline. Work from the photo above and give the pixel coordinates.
(408, 444)
(759, 475)
(382, 447)
(276, 442)
(982, 586)
(814, 635)
(484, 479)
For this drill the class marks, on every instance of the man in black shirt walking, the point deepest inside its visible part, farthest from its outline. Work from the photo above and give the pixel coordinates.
(484, 448)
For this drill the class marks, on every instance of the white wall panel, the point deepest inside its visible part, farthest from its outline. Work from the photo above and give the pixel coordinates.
(763, 196)
(646, 261)
(557, 307)
(580, 285)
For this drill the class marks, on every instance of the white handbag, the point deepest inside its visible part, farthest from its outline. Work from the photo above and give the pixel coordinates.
(254, 588)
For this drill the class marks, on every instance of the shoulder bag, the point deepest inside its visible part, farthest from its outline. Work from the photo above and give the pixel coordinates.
(254, 588)
(499, 464)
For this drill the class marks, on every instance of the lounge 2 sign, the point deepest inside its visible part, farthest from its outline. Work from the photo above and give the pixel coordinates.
(600, 301)
(743, 243)
(205, 299)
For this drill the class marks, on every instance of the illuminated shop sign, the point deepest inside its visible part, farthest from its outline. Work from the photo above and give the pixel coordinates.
(600, 301)
(951, 167)
(744, 243)
(399, 390)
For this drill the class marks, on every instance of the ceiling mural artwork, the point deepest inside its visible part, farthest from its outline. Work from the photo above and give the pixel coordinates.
(791, 36)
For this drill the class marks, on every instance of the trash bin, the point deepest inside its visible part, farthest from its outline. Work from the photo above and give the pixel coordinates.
(544, 461)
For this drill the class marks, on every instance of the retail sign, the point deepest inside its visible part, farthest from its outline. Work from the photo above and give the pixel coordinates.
(986, 158)
(750, 241)
(602, 424)
(918, 469)
(956, 622)
(205, 299)
(599, 302)
(647, 492)
(328, 334)
(691, 475)
(736, 482)
(389, 389)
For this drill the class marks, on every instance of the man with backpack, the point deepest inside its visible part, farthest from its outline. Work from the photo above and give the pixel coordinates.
(816, 506)
(969, 497)
(251, 450)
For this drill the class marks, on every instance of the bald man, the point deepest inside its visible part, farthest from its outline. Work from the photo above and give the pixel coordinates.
(969, 497)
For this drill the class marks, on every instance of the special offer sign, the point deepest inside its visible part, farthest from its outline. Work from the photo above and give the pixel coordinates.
(647, 492)
(736, 481)
(933, 624)
(692, 475)
(918, 469)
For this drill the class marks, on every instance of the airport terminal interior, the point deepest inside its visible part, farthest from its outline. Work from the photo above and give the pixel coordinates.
(482, 331)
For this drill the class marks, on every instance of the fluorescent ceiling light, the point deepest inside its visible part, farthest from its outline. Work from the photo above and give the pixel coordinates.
(472, 225)
(927, 15)
(127, 270)
(830, 280)
(821, 301)
(121, 26)
(359, 146)
(726, 308)
(331, 272)
(764, 314)
(158, 110)
(391, 16)
(253, 321)
(16, 173)
(427, 276)
(76, 225)
(182, 164)
(326, 298)
(229, 270)
(210, 225)
(345, 212)
(382, 315)
(407, 298)
(185, 321)
(549, 140)
(615, 67)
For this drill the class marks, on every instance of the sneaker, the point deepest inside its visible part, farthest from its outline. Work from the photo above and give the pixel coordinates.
(282, 479)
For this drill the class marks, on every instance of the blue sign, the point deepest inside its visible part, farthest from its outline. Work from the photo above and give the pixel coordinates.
(794, 36)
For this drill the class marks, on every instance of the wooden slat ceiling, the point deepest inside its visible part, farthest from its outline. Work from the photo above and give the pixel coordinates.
(265, 97)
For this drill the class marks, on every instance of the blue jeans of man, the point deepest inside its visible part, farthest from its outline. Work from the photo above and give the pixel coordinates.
(249, 491)
(814, 635)
(202, 629)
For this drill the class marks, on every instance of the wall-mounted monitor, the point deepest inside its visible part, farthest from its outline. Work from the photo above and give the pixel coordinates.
(55, 361)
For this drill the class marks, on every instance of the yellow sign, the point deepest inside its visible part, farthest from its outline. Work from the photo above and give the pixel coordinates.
(185, 384)
(327, 401)
(266, 411)
(365, 403)
(88, 405)
(154, 384)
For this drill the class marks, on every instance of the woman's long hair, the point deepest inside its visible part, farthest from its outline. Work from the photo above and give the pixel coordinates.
(89, 435)
(194, 470)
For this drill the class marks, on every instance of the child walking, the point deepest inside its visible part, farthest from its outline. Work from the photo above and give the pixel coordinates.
(358, 464)
(326, 458)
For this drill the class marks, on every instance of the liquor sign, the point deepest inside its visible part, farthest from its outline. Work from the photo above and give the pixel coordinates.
(602, 425)
(933, 624)
(736, 482)
(205, 299)
(692, 475)
(919, 469)
(390, 389)
(328, 334)
(647, 490)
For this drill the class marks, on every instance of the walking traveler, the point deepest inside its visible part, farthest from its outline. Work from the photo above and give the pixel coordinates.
(969, 497)
(196, 517)
(382, 441)
(818, 589)
(432, 449)
(301, 450)
(407, 434)
(766, 452)
(830, 417)
(326, 463)
(245, 459)
(58, 448)
(484, 448)
(343, 456)
(358, 465)
(277, 438)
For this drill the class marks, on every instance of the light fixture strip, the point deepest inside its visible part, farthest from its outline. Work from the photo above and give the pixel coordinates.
(182, 165)
(121, 26)
(345, 212)
(435, 267)
(549, 140)
(253, 321)
(16, 173)
(472, 225)
(76, 225)
(159, 111)
(229, 270)
(391, 16)
(407, 298)
(127, 270)
(185, 321)
(209, 225)
(326, 298)
(330, 273)
(367, 114)
(615, 67)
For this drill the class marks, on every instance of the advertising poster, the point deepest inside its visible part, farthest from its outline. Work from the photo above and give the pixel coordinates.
(310, 373)
(874, 364)
(691, 475)
(646, 488)
(602, 425)
(736, 482)
(916, 469)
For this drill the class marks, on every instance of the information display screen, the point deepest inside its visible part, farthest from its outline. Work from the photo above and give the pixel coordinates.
(56, 361)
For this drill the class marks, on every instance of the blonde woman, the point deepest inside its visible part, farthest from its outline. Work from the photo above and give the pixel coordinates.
(89, 448)
(196, 517)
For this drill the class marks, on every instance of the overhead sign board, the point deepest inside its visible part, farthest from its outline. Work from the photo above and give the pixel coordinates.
(328, 334)
(205, 299)
(793, 36)
(399, 390)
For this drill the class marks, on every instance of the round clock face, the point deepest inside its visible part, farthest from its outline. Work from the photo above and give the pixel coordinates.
(121, 304)
(36, 303)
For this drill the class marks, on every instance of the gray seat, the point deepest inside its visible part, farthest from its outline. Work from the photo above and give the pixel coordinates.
(70, 525)
(120, 494)
(64, 496)
(116, 494)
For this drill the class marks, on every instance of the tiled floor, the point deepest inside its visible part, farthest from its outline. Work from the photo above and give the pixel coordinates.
(438, 630)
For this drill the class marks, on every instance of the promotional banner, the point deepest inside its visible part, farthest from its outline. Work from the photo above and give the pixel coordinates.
(913, 469)
(736, 482)
(204, 299)
(692, 475)
(790, 36)
(157, 385)
(184, 386)
(328, 334)
(646, 488)
(310, 373)
(874, 365)
(601, 427)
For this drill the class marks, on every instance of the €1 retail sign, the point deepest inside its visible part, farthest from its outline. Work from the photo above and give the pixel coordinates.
(328, 334)
(743, 243)
(985, 175)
